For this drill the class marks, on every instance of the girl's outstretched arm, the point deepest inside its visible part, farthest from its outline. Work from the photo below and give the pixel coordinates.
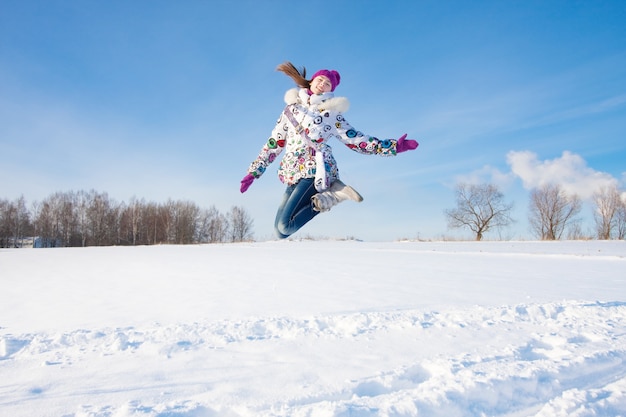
(366, 144)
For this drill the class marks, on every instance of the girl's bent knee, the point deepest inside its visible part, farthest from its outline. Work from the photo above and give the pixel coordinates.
(281, 232)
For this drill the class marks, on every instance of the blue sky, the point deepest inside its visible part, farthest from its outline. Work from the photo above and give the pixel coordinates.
(164, 99)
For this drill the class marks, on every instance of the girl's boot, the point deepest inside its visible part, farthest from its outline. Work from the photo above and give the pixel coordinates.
(337, 193)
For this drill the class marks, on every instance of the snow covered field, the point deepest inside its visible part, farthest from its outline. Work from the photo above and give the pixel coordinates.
(315, 328)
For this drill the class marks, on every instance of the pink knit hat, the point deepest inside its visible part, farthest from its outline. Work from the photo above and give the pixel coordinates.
(332, 75)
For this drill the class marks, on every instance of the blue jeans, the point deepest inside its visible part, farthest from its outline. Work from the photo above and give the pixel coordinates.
(296, 209)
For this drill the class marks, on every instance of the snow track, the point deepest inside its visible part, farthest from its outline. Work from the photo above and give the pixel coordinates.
(550, 359)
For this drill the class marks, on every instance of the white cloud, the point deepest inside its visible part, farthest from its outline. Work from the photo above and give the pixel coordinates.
(487, 174)
(570, 171)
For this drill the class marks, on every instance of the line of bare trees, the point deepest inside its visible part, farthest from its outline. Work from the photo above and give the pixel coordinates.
(91, 218)
(552, 212)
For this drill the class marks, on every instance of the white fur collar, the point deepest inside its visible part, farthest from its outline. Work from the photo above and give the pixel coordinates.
(300, 96)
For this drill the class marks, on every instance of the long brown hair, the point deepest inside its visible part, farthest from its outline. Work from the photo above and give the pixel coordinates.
(299, 76)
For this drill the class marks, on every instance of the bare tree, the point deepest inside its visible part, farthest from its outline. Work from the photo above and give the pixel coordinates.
(240, 225)
(575, 232)
(185, 220)
(606, 201)
(6, 229)
(130, 222)
(621, 217)
(102, 219)
(22, 224)
(93, 219)
(479, 208)
(15, 223)
(42, 221)
(552, 211)
(56, 221)
(82, 202)
(212, 226)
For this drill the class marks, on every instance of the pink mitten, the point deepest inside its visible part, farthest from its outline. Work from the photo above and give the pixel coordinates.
(404, 145)
(246, 182)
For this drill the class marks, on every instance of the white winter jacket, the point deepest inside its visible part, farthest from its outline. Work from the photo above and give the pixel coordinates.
(321, 117)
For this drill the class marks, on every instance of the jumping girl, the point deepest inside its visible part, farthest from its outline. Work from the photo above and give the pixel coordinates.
(313, 116)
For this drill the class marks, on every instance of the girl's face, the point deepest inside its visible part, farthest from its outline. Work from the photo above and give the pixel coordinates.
(321, 84)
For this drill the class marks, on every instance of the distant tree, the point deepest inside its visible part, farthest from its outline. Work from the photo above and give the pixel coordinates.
(575, 232)
(42, 222)
(6, 221)
(212, 226)
(480, 208)
(186, 216)
(606, 202)
(130, 222)
(165, 221)
(102, 219)
(14, 222)
(82, 201)
(621, 217)
(150, 230)
(93, 219)
(21, 223)
(56, 221)
(240, 225)
(552, 211)
(67, 223)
